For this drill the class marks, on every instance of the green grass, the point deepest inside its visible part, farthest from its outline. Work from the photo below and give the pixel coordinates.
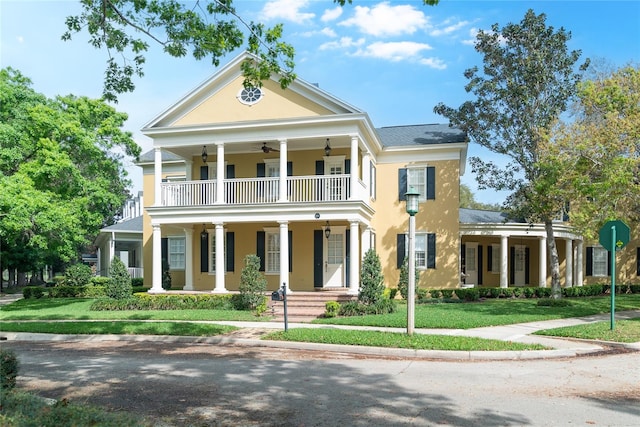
(397, 340)
(119, 328)
(487, 313)
(78, 309)
(623, 331)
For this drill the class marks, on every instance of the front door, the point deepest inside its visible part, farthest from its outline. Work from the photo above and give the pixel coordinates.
(471, 264)
(519, 266)
(334, 186)
(334, 259)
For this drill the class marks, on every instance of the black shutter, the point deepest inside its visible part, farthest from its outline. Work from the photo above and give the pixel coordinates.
(231, 237)
(260, 248)
(164, 252)
(290, 251)
(319, 186)
(638, 261)
(479, 265)
(347, 166)
(348, 257)
(231, 171)
(402, 184)
(289, 168)
(260, 170)
(490, 258)
(512, 265)
(319, 167)
(589, 261)
(463, 260)
(431, 183)
(526, 265)
(204, 252)
(317, 258)
(401, 245)
(431, 250)
(204, 172)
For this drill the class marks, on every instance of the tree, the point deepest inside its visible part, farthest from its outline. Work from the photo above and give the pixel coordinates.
(403, 282)
(119, 287)
(61, 172)
(253, 284)
(599, 151)
(528, 79)
(468, 200)
(212, 29)
(371, 279)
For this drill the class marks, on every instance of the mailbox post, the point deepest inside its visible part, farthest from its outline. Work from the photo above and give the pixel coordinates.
(281, 295)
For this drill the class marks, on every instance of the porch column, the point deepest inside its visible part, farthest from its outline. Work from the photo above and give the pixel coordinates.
(568, 270)
(542, 281)
(157, 180)
(283, 172)
(220, 169)
(504, 262)
(366, 174)
(579, 261)
(188, 259)
(188, 169)
(365, 241)
(354, 258)
(284, 254)
(354, 168)
(112, 249)
(220, 285)
(156, 277)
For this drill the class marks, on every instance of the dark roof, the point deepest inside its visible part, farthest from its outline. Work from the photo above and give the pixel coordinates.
(477, 216)
(133, 225)
(395, 136)
(149, 157)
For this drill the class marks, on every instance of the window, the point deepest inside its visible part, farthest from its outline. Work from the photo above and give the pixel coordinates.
(212, 251)
(421, 179)
(494, 259)
(600, 261)
(272, 252)
(176, 253)
(417, 179)
(425, 248)
(250, 96)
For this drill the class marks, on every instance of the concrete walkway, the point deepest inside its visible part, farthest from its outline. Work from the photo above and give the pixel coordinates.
(251, 332)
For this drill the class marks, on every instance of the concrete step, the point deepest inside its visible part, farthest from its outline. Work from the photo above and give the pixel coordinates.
(305, 306)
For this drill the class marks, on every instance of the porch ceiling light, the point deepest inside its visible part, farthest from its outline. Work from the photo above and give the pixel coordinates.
(327, 230)
(327, 149)
(412, 201)
(204, 154)
(203, 233)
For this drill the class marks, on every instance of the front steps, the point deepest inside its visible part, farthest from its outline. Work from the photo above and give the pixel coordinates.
(305, 306)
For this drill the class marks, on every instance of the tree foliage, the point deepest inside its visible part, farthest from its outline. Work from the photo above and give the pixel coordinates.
(468, 201)
(527, 81)
(119, 287)
(253, 284)
(371, 279)
(61, 172)
(205, 29)
(599, 151)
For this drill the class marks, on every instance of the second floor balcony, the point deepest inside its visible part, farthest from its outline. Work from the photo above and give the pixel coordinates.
(254, 191)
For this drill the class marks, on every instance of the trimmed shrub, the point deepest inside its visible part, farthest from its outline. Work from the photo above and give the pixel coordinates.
(495, 292)
(253, 284)
(32, 292)
(145, 301)
(331, 308)
(8, 369)
(64, 291)
(528, 292)
(543, 292)
(635, 289)
(434, 293)
(137, 282)
(403, 282)
(422, 294)
(119, 287)
(468, 294)
(553, 302)
(371, 280)
(77, 275)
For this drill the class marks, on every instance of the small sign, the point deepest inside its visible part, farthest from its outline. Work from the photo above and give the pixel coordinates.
(622, 235)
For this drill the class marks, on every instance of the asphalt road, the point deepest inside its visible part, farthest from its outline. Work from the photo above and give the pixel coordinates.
(203, 385)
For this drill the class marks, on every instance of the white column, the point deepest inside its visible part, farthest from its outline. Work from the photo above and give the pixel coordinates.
(156, 277)
(568, 270)
(188, 259)
(504, 262)
(283, 172)
(354, 258)
(188, 169)
(579, 262)
(220, 169)
(354, 167)
(220, 285)
(157, 180)
(542, 282)
(112, 249)
(284, 254)
(365, 241)
(366, 174)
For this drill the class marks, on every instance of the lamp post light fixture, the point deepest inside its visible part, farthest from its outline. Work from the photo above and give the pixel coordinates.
(327, 149)
(412, 209)
(327, 230)
(203, 234)
(204, 154)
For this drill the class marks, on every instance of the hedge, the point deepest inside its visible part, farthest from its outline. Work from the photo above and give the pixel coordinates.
(145, 301)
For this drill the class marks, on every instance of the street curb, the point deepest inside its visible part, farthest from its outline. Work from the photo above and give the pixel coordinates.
(335, 348)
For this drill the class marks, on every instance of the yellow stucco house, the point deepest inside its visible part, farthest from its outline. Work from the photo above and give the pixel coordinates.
(305, 181)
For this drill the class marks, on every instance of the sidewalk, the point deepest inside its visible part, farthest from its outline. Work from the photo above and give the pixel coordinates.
(251, 332)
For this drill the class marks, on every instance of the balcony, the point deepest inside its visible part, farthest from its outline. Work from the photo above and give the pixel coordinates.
(251, 191)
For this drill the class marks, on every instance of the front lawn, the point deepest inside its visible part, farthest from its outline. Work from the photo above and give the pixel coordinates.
(623, 331)
(488, 313)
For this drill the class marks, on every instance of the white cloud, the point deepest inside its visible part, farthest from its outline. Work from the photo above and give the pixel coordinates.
(343, 43)
(20, 39)
(326, 31)
(286, 10)
(448, 28)
(386, 20)
(471, 41)
(394, 51)
(435, 63)
(331, 14)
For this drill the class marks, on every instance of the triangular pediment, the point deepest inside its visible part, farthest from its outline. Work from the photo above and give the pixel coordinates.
(219, 100)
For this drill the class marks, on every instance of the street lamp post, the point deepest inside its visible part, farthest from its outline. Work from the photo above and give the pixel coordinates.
(412, 209)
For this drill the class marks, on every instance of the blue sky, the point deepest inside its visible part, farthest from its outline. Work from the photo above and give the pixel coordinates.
(394, 59)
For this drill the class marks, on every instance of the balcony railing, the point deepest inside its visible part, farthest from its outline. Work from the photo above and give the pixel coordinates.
(242, 191)
(136, 272)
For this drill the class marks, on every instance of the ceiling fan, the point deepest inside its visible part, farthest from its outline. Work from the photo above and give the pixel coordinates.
(266, 149)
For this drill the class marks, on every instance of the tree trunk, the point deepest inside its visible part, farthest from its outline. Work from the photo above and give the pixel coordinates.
(556, 292)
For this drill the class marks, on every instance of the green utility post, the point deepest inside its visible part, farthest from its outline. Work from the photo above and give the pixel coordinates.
(614, 235)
